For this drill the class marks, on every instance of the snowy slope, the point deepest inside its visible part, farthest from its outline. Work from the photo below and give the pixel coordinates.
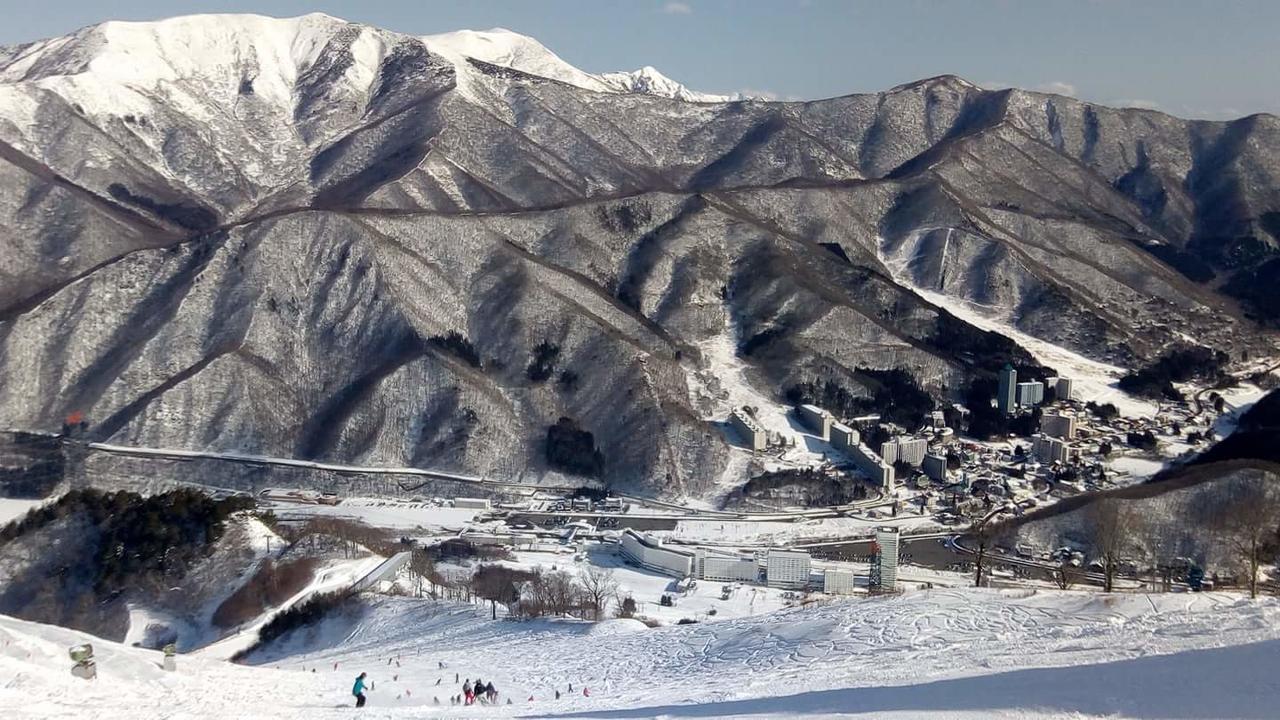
(14, 508)
(950, 654)
(1093, 381)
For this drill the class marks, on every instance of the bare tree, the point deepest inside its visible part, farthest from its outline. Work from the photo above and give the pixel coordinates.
(1065, 574)
(422, 570)
(1150, 538)
(499, 584)
(597, 585)
(1248, 521)
(1110, 524)
(984, 533)
(561, 592)
(551, 593)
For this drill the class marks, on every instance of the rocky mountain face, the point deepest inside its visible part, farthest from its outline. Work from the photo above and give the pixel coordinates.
(319, 239)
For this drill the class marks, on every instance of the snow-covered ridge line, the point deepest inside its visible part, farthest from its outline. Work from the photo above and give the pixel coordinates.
(282, 50)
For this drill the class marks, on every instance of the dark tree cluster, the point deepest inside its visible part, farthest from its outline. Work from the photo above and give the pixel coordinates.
(829, 395)
(895, 396)
(573, 450)
(1255, 436)
(305, 614)
(1179, 365)
(137, 537)
(543, 364)
(568, 381)
(984, 349)
(1144, 440)
(1184, 262)
(455, 550)
(40, 474)
(271, 585)
(760, 340)
(1256, 285)
(455, 344)
(805, 486)
(1104, 411)
(985, 420)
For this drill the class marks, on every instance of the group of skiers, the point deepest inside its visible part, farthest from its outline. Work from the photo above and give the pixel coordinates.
(472, 692)
(479, 691)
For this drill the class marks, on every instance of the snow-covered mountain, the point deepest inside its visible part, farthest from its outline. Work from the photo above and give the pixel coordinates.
(523, 53)
(311, 238)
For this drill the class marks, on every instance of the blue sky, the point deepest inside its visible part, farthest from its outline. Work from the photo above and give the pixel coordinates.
(1190, 57)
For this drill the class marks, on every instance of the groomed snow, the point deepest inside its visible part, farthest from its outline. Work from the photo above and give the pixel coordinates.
(393, 514)
(14, 508)
(944, 653)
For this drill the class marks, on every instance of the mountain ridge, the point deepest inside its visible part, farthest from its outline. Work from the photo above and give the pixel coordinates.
(256, 251)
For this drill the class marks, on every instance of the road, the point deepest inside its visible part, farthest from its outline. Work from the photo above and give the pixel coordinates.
(260, 460)
(491, 483)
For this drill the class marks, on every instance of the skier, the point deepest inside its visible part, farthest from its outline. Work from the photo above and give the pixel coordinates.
(466, 692)
(477, 691)
(491, 692)
(358, 690)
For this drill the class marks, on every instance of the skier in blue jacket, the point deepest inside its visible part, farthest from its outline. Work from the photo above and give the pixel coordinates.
(358, 690)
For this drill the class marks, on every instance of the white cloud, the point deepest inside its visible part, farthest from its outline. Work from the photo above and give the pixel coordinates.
(756, 94)
(1135, 103)
(677, 8)
(1057, 87)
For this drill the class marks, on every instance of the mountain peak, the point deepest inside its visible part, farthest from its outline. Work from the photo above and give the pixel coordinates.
(146, 53)
(499, 46)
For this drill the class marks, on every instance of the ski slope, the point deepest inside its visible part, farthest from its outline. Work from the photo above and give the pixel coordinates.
(945, 654)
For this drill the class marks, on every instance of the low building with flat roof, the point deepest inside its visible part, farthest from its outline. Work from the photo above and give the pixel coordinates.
(650, 553)
(726, 568)
(838, 582)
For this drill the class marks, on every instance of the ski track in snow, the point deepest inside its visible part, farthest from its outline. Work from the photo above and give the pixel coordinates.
(1093, 380)
(943, 653)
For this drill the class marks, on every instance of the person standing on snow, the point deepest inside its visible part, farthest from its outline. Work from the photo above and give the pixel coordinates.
(358, 690)
(466, 693)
